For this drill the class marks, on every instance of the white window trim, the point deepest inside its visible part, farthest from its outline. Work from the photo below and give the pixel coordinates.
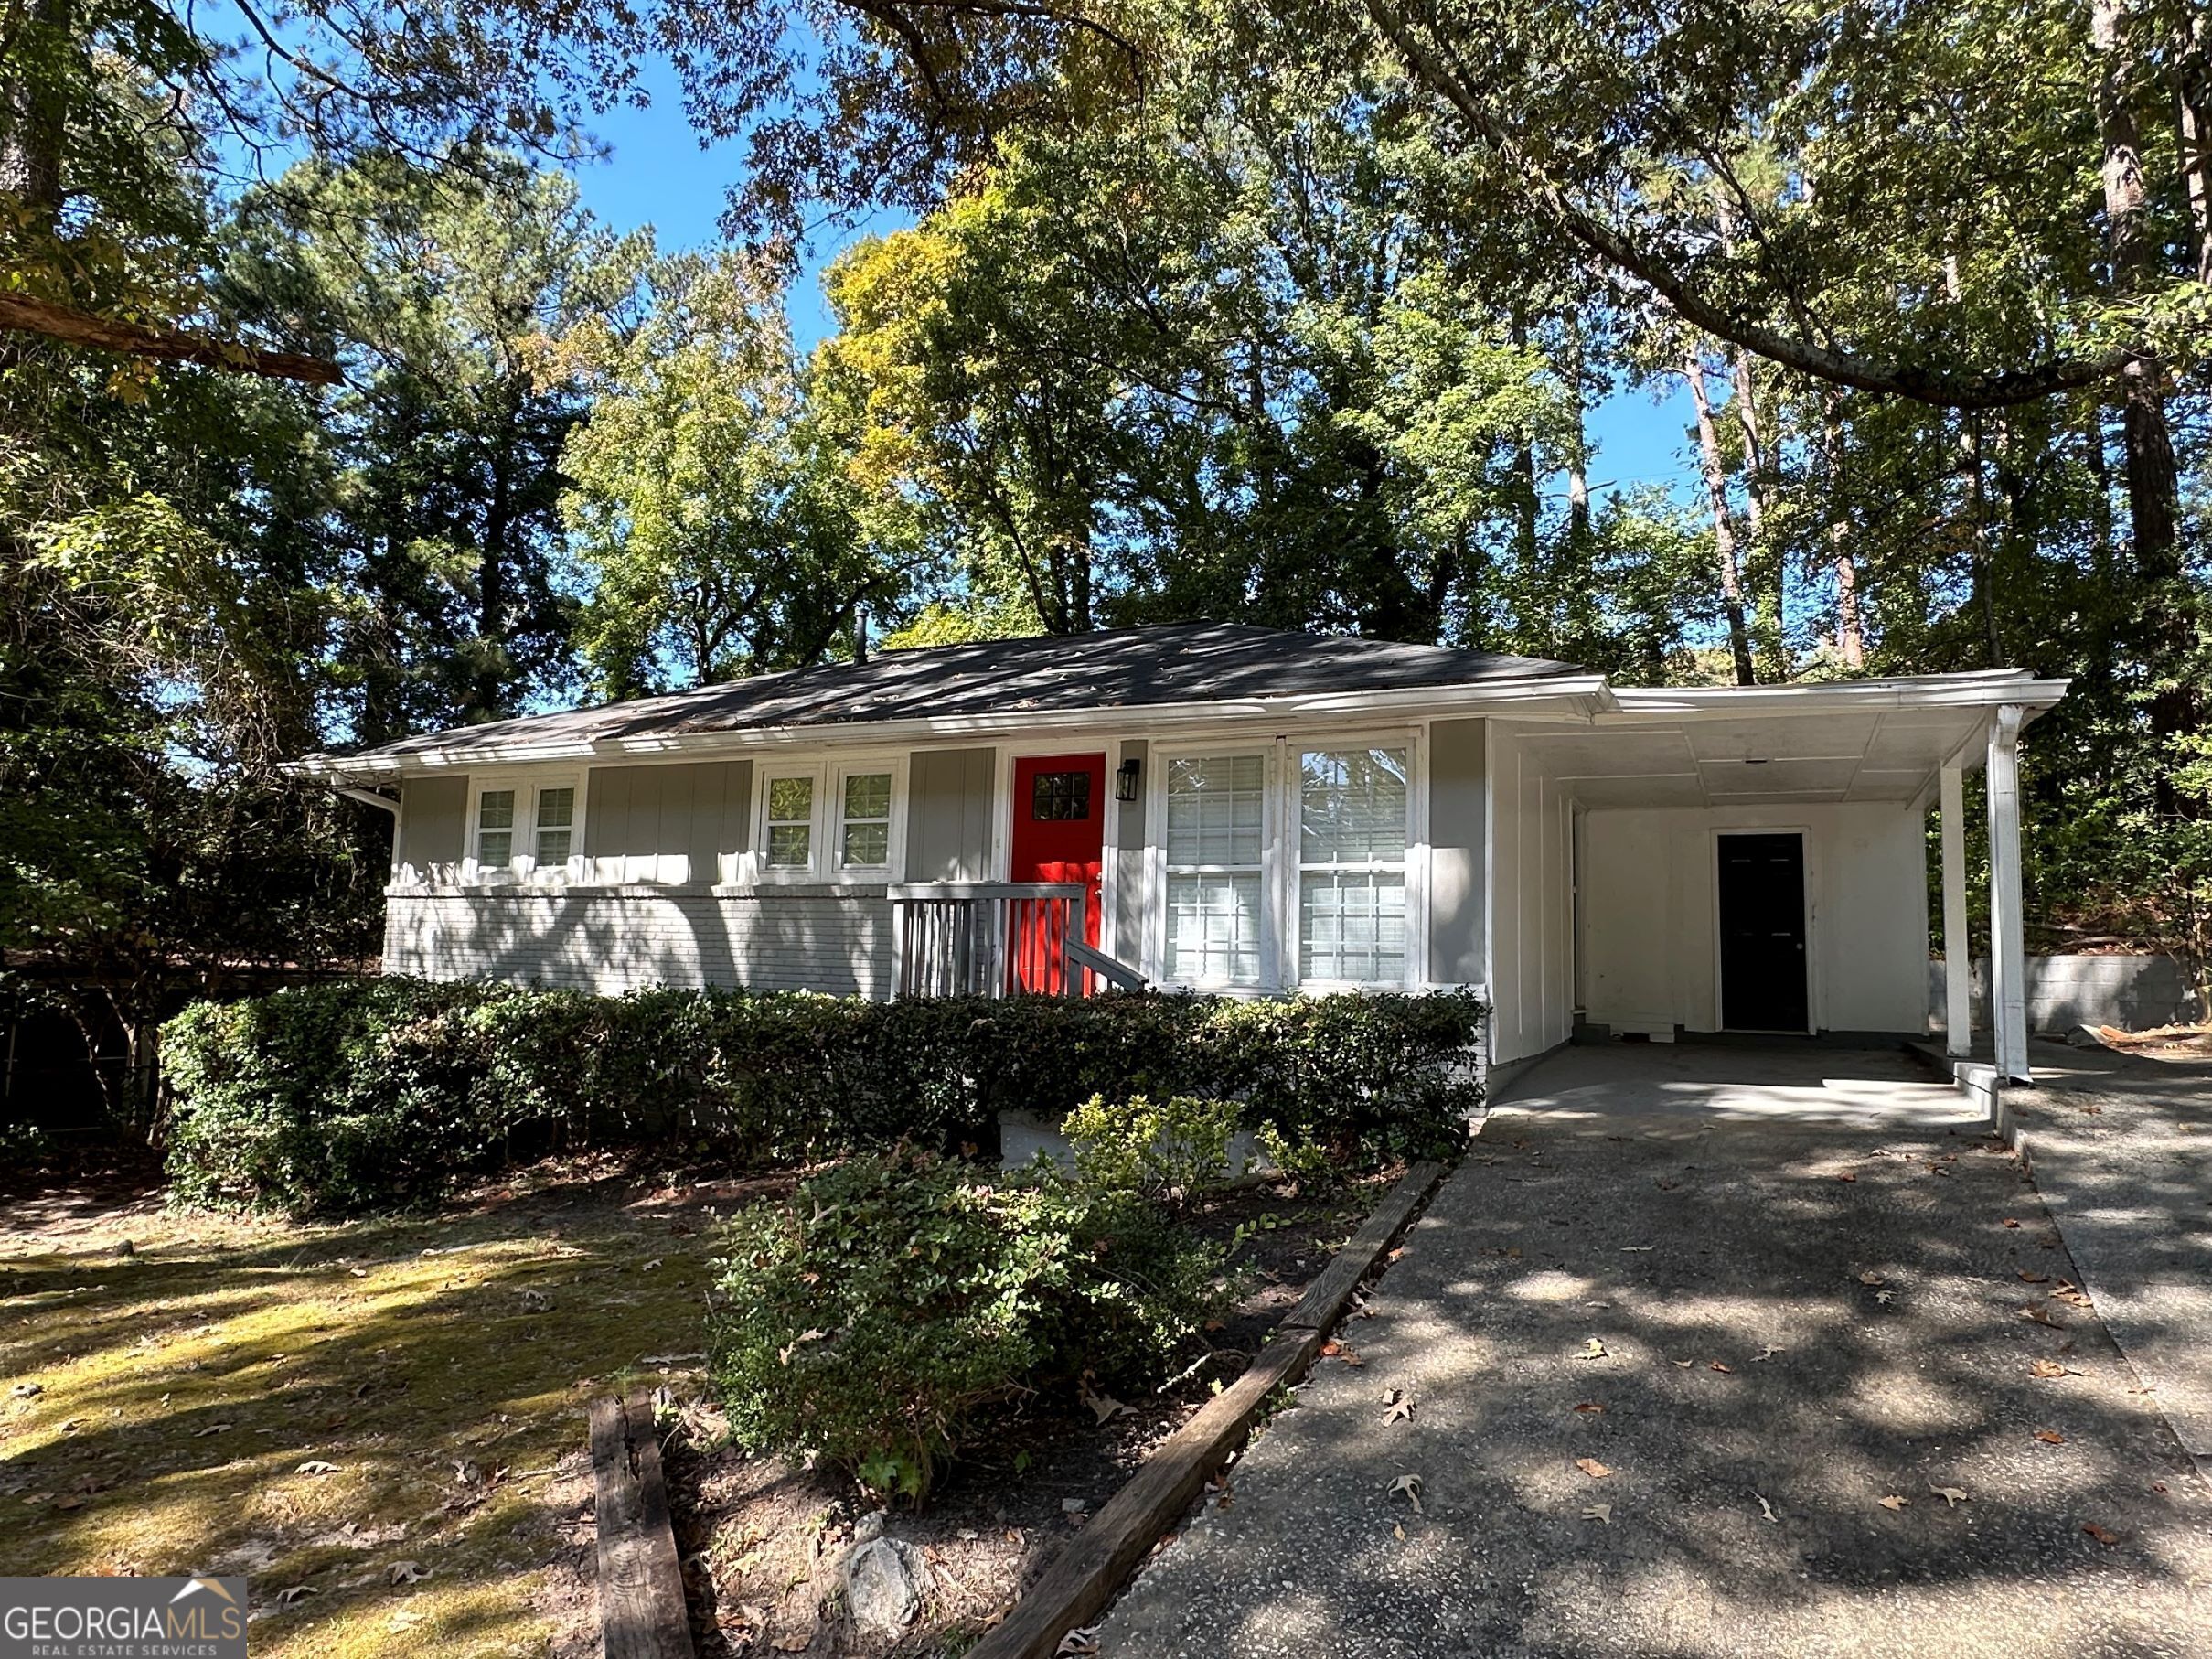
(1413, 864)
(522, 870)
(826, 825)
(1279, 871)
(1161, 762)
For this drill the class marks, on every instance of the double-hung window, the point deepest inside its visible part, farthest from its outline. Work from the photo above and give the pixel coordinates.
(863, 819)
(1215, 845)
(787, 823)
(525, 829)
(1353, 816)
(826, 821)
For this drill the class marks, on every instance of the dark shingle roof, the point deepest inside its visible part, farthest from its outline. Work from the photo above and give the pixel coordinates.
(1125, 668)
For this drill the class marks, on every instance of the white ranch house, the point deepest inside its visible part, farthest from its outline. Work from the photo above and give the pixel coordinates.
(1229, 808)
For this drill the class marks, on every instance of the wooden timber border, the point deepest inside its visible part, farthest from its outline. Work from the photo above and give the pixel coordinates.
(641, 1587)
(1085, 1576)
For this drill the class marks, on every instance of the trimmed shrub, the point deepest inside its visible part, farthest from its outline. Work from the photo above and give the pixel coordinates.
(343, 1097)
(1167, 1153)
(877, 1315)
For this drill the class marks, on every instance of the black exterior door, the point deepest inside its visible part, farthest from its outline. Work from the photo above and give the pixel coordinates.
(1762, 933)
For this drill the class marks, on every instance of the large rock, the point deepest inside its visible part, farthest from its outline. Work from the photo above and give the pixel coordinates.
(886, 1579)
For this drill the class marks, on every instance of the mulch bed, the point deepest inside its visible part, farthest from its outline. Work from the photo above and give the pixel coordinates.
(762, 1539)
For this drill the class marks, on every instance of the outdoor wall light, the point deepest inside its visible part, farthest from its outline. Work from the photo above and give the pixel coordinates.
(1125, 779)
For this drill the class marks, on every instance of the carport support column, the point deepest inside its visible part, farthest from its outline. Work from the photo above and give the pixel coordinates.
(1958, 944)
(2007, 957)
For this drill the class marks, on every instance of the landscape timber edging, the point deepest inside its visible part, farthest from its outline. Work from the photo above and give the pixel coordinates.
(1098, 1560)
(642, 1612)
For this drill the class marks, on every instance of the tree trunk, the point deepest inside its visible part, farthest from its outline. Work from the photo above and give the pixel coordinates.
(491, 581)
(1723, 529)
(38, 119)
(1578, 447)
(1849, 639)
(1767, 577)
(2192, 128)
(2146, 442)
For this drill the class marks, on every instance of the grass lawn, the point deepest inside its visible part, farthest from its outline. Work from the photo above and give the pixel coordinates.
(386, 1417)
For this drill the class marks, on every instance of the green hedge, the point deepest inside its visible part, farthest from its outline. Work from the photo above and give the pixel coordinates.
(343, 1097)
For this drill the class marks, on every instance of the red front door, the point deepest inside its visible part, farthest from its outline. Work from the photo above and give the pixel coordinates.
(1060, 802)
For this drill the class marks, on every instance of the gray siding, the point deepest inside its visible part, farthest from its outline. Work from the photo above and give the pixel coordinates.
(949, 815)
(1458, 880)
(666, 823)
(432, 811)
(793, 938)
(1129, 857)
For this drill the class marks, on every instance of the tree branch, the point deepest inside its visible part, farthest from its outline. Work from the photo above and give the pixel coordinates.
(1972, 390)
(24, 314)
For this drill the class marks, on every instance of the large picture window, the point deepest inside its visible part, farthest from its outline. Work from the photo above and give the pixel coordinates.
(1352, 866)
(1216, 838)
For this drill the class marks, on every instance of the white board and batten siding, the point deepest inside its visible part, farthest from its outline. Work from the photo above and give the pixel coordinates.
(1532, 924)
(1650, 951)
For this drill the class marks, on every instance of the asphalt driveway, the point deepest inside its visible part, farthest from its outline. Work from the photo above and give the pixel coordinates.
(1755, 1333)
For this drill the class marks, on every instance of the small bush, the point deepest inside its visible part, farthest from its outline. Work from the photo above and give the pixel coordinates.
(1170, 1151)
(877, 1314)
(340, 1098)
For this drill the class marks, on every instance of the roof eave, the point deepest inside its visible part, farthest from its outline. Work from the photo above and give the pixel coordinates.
(1579, 694)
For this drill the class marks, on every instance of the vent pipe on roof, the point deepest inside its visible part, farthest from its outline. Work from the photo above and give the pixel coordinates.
(859, 634)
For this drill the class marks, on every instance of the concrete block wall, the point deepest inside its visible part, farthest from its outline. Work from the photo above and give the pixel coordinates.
(2132, 993)
(833, 941)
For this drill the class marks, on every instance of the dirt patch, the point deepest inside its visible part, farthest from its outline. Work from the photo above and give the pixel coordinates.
(765, 1539)
(2161, 1042)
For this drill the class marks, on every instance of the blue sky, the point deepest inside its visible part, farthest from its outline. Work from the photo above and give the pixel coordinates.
(657, 173)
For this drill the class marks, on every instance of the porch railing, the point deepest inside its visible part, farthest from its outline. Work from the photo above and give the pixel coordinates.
(997, 939)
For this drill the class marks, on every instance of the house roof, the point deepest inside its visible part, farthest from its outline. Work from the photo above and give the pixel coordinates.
(994, 681)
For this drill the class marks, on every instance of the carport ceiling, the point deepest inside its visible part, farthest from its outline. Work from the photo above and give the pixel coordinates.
(1774, 759)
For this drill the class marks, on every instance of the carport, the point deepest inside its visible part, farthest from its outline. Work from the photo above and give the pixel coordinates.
(1754, 860)
(1707, 1082)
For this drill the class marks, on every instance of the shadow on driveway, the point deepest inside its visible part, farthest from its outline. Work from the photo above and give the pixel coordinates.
(1761, 1329)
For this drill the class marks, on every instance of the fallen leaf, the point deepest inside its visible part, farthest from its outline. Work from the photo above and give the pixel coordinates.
(1770, 1350)
(199, 1434)
(1883, 1296)
(1723, 1368)
(1600, 1512)
(1767, 1510)
(1332, 1348)
(316, 1466)
(1084, 1641)
(1410, 1484)
(1593, 1468)
(2041, 1315)
(1892, 1502)
(1846, 1176)
(406, 1572)
(2102, 1536)
(285, 1598)
(794, 1642)
(1952, 1497)
(1683, 1365)
(2047, 1367)
(1397, 1532)
(1398, 1411)
(1105, 1407)
(2008, 1222)
(1592, 1349)
(1636, 1249)
(1589, 1406)
(26, 1391)
(71, 1503)
(2034, 1278)
(1870, 1277)
(2050, 1436)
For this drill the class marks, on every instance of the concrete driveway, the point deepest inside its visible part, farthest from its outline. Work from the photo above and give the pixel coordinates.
(1726, 1083)
(1834, 1393)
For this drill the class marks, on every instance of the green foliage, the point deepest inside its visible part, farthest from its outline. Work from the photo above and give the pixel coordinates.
(722, 530)
(876, 1316)
(347, 1096)
(1169, 1151)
